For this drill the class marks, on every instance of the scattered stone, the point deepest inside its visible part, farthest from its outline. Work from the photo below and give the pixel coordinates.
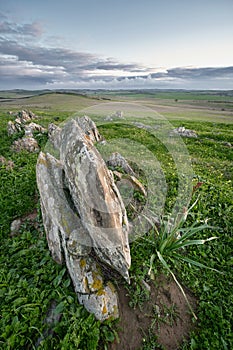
(108, 118)
(20, 124)
(119, 114)
(3, 160)
(184, 132)
(26, 116)
(142, 126)
(228, 144)
(22, 118)
(116, 115)
(13, 128)
(26, 144)
(15, 227)
(9, 164)
(32, 127)
(117, 161)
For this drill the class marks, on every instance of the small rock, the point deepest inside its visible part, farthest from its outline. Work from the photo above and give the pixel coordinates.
(228, 144)
(10, 165)
(3, 160)
(15, 227)
(184, 132)
(32, 127)
(26, 144)
(118, 161)
(13, 128)
(108, 118)
(26, 116)
(142, 126)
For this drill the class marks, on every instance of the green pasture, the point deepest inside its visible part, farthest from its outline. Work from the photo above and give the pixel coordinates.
(30, 281)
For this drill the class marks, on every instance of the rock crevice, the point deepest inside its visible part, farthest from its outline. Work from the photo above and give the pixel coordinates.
(82, 212)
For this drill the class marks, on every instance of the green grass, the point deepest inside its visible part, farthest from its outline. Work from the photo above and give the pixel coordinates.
(31, 281)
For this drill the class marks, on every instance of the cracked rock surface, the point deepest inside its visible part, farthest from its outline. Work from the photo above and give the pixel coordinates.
(84, 215)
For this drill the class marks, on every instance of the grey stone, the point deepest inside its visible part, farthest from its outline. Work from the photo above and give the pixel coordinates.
(142, 126)
(68, 240)
(184, 132)
(96, 198)
(13, 128)
(89, 128)
(228, 144)
(117, 161)
(15, 227)
(83, 212)
(26, 144)
(26, 116)
(32, 127)
(54, 134)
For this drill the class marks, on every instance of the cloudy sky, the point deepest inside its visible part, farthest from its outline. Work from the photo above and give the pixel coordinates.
(116, 44)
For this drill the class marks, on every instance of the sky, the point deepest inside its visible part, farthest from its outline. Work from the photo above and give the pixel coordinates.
(116, 44)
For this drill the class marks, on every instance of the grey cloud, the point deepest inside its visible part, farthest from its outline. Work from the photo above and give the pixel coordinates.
(120, 66)
(37, 66)
(195, 73)
(79, 65)
(29, 29)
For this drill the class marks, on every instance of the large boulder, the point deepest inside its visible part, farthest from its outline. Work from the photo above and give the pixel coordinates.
(96, 198)
(83, 213)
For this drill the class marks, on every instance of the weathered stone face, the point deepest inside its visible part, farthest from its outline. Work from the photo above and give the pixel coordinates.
(83, 211)
(96, 198)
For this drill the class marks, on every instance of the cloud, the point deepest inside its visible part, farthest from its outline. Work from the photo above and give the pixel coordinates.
(16, 59)
(25, 63)
(27, 29)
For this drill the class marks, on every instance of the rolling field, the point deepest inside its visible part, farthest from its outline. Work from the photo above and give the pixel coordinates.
(31, 282)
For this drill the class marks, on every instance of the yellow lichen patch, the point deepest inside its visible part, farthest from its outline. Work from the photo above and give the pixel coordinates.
(101, 291)
(105, 310)
(97, 282)
(82, 263)
(42, 160)
(86, 285)
(65, 223)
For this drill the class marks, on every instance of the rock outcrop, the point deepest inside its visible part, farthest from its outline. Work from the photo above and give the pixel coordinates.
(19, 124)
(23, 123)
(182, 131)
(84, 216)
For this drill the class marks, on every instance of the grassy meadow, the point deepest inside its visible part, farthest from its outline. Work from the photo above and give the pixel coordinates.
(30, 281)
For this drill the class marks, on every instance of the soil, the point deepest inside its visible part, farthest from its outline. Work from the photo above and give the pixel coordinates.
(171, 331)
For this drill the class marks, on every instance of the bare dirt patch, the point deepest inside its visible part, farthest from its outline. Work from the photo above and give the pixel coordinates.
(166, 310)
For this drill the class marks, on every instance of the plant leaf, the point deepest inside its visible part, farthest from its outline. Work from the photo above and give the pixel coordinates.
(194, 262)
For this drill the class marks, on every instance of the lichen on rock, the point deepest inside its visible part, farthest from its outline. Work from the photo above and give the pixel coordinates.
(84, 215)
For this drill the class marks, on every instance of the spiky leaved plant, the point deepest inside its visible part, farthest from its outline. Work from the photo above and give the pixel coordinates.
(170, 240)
